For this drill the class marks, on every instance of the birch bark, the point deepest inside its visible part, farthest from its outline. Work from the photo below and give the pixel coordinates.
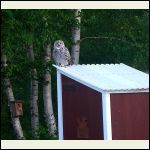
(75, 52)
(33, 96)
(10, 96)
(47, 94)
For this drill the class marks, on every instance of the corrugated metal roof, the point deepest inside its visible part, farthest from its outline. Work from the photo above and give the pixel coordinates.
(108, 77)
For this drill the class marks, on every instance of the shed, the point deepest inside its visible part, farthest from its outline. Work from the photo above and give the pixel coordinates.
(102, 102)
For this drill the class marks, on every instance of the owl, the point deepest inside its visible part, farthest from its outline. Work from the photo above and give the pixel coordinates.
(61, 54)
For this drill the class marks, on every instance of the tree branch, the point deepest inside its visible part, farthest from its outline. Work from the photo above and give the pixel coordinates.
(102, 37)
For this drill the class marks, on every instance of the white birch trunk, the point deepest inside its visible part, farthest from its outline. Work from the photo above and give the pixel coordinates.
(34, 97)
(10, 96)
(75, 52)
(47, 96)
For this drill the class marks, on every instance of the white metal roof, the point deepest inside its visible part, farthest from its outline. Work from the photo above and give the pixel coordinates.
(108, 77)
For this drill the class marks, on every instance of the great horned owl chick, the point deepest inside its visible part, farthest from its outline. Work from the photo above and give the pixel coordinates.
(61, 54)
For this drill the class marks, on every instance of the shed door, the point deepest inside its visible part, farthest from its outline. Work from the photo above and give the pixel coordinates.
(130, 116)
(82, 111)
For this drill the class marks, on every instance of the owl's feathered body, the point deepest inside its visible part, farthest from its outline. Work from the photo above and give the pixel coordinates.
(61, 54)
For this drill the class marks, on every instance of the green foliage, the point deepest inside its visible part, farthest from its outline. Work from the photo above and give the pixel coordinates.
(43, 134)
(131, 26)
(21, 28)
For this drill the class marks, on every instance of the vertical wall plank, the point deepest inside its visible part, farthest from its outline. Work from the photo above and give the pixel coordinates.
(106, 116)
(60, 109)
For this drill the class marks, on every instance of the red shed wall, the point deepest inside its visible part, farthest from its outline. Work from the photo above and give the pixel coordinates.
(130, 116)
(82, 111)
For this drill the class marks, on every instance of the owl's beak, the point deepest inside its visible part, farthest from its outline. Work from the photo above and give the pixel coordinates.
(58, 47)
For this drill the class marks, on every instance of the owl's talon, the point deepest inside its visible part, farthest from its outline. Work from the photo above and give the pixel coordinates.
(62, 65)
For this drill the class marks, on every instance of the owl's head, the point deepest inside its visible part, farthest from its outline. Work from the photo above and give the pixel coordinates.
(59, 44)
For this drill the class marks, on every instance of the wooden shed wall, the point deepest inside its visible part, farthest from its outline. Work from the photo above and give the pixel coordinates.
(130, 116)
(82, 111)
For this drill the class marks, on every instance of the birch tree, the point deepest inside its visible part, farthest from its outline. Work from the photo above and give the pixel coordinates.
(10, 96)
(33, 95)
(47, 94)
(75, 52)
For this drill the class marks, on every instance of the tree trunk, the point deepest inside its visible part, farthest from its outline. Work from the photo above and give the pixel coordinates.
(75, 52)
(10, 96)
(47, 96)
(34, 96)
